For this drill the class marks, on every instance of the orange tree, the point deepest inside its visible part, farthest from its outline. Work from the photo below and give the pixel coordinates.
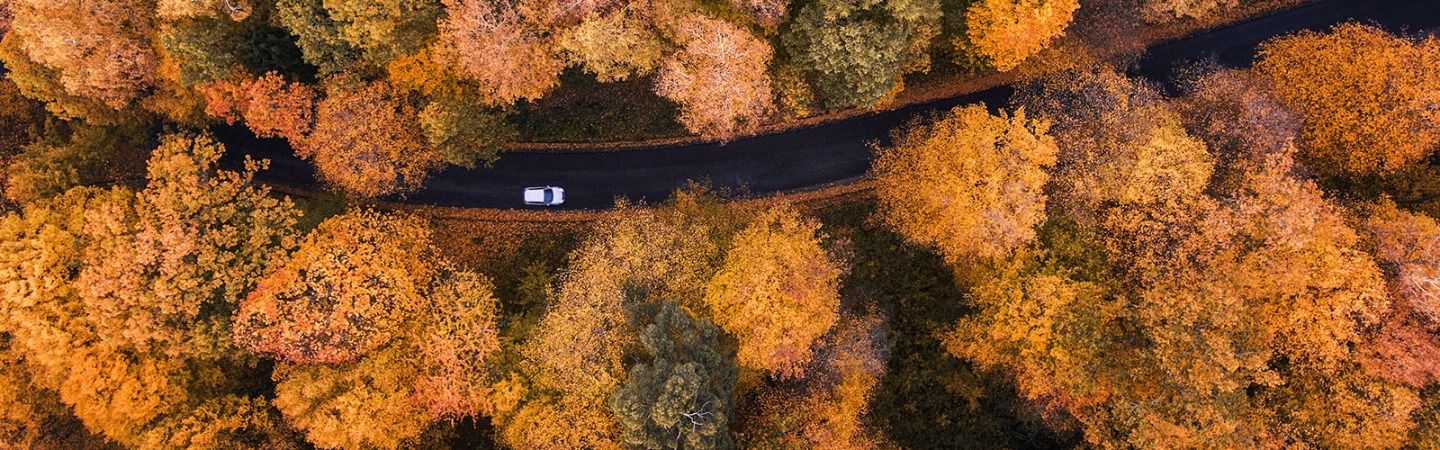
(1005, 32)
(969, 183)
(367, 140)
(1367, 97)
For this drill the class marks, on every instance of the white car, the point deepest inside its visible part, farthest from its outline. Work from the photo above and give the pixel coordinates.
(544, 196)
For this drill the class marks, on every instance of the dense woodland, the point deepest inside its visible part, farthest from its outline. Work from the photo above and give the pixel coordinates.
(1244, 258)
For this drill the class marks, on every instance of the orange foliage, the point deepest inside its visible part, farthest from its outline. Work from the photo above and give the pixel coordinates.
(719, 78)
(461, 334)
(165, 271)
(776, 292)
(344, 292)
(1006, 32)
(1367, 97)
(368, 142)
(969, 184)
(270, 106)
(491, 44)
(830, 410)
(99, 49)
(369, 403)
(1408, 245)
(276, 108)
(1211, 295)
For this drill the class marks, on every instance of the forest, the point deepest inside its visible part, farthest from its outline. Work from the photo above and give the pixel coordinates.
(1234, 257)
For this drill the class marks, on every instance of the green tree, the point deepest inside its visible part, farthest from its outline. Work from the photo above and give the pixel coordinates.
(679, 393)
(855, 49)
(463, 131)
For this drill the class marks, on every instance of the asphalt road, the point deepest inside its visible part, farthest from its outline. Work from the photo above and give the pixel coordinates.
(802, 158)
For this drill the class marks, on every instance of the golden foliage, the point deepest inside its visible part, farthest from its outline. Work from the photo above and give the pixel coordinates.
(1160, 11)
(344, 292)
(777, 291)
(968, 184)
(830, 408)
(615, 46)
(1006, 32)
(165, 271)
(719, 78)
(1212, 297)
(1121, 145)
(461, 335)
(368, 403)
(1367, 97)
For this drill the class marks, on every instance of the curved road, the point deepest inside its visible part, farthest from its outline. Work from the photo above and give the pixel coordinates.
(802, 158)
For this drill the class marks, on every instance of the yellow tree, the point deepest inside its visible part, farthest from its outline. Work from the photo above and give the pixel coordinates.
(367, 403)
(777, 291)
(575, 358)
(461, 337)
(1367, 97)
(1120, 145)
(969, 184)
(116, 299)
(615, 46)
(1160, 11)
(166, 271)
(1234, 320)
(344, 292)
(719, 78)
(1006, 32)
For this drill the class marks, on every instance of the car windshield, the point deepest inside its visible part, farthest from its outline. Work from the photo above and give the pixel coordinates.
(549, 196)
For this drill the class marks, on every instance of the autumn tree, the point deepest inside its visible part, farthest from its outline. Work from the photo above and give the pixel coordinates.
(317, 34)
(1237, 317)
(776, 292)
(1006, 32)
(366, 403)
(462, 132)
(1406, 348)
(575, 358)
(1240, 121)
(344, 292)
(97, 50)
(204, 49)
(460, 339)
(490, 43)
(31, 416)
(1160, 11)
(367, 141)
(119, 300)
(719, 78)
(226, 422)
(270, 106)
(1366, 97)
(970, 183)
(168, 270)
(678, 393)
(1120, 144)
(856, 50)
(615, 46)
(830, 406)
